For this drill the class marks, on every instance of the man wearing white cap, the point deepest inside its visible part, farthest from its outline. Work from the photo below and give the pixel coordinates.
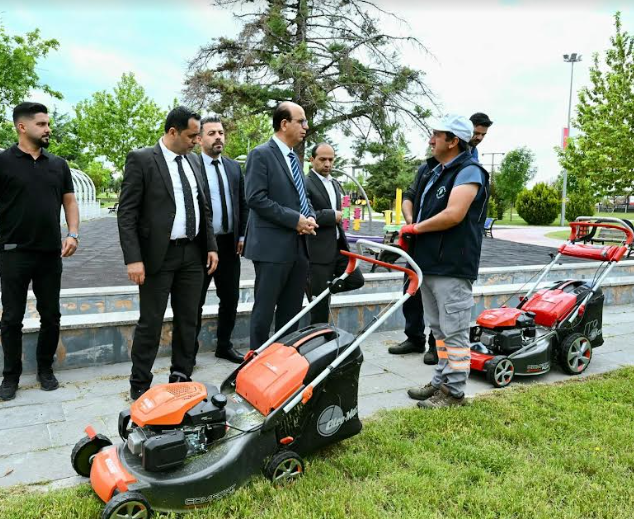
(447, 204)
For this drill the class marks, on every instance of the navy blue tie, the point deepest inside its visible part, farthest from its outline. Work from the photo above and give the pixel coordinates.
(297, 178)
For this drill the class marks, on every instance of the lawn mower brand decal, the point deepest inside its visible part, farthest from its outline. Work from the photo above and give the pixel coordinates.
(534, 368)
(592, 330)
(271, 367)
(196, 501)
(441, 192)
(332, 418)
(112, 468)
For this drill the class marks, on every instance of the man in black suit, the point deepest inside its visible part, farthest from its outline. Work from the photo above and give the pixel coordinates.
(326, 262)
(280, 218)
(224, 188)
(167, 241)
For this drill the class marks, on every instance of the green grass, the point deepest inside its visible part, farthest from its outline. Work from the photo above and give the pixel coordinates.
(559, 235)
(540, 451)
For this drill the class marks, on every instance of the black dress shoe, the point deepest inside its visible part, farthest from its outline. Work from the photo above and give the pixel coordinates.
(47, 381)
(8, 389)
(137, 392)
(176, 377)
(407, 346)
(230, 354)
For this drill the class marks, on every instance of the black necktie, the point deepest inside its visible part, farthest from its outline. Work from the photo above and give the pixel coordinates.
(223, 201)
(190, 215)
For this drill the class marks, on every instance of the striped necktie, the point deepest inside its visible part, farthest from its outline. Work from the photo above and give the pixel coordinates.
(297, 178)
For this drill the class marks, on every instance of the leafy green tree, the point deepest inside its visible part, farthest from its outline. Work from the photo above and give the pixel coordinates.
(64, 140)
(19, 56)
(602, 153)
(8, 136)
(110, 125)
(516, 170)
(329, 56)
(538, 206)
(246, 133)
(393, 167)
(99, 174)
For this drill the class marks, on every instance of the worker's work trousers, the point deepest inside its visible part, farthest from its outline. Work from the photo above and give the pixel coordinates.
(447, 303)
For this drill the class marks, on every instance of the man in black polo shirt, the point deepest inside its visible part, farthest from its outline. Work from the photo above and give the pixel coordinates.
(34, 185)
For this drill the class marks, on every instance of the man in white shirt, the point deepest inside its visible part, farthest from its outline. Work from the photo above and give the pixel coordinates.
(167, 240)
(224, 188)
(326, 262)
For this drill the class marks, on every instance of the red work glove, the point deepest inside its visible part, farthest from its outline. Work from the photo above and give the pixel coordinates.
(405, 236)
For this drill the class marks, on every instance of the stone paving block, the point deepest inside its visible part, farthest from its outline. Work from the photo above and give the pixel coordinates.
(24, 439)
(29, 393)
(70, 432)
(370, 404)
(89, 409)
(383, 382)
(21, 416)
(36, 467)
(369, 368)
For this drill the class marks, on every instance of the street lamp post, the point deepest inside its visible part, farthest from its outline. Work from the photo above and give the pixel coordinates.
(572, 59)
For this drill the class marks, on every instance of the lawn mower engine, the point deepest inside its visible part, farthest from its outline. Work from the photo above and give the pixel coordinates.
(172, 422)
(505, 330)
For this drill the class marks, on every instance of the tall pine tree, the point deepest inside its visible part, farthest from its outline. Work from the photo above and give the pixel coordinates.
(329, 56)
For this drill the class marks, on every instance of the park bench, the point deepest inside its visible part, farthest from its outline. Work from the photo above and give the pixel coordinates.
(612, 236)
(114, 208)
(604, 235)
(487, 230)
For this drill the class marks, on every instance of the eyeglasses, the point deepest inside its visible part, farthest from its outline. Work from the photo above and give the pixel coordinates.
(303, 122)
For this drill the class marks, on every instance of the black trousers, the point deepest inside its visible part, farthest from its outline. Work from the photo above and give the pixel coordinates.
(181, 276)
(279, 290)
(321, 274)
(227, 280)
(17, 270)
(415, 318)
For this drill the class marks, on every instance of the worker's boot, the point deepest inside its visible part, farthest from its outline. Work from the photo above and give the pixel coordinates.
(431, 357)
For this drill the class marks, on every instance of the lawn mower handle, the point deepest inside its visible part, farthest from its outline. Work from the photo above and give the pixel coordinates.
(605, 222)
(414, 273)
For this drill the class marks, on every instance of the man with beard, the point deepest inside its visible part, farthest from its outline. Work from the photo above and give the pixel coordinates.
(280, 218)
(449, 197)
(223, 184)
(168, 243)
(481, 124)
(34, 185)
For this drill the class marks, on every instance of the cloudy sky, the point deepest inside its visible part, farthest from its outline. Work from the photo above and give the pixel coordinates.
(501, 57)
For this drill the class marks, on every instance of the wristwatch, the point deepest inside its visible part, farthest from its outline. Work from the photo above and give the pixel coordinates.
(73, 235)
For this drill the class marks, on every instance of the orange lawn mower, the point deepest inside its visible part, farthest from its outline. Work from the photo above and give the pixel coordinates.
(185, 445)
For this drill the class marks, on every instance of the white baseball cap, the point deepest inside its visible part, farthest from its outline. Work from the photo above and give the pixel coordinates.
(459, 125)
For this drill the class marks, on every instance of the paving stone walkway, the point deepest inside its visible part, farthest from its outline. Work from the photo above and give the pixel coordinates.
(38, 429)
(99, 260)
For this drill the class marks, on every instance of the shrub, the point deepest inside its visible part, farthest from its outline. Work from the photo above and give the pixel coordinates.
(579, 204)
(382, 203)
(492, 209)
(538, 206)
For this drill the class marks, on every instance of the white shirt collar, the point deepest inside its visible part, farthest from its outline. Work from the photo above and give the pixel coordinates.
(282, 146)
(324, 179)
(207, 159)
(169, 155)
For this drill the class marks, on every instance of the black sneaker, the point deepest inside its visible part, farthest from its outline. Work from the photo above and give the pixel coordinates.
(8, 389)
(407, 346)
(47, 381)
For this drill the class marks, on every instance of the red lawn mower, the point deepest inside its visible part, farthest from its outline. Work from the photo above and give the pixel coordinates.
(561, 323)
